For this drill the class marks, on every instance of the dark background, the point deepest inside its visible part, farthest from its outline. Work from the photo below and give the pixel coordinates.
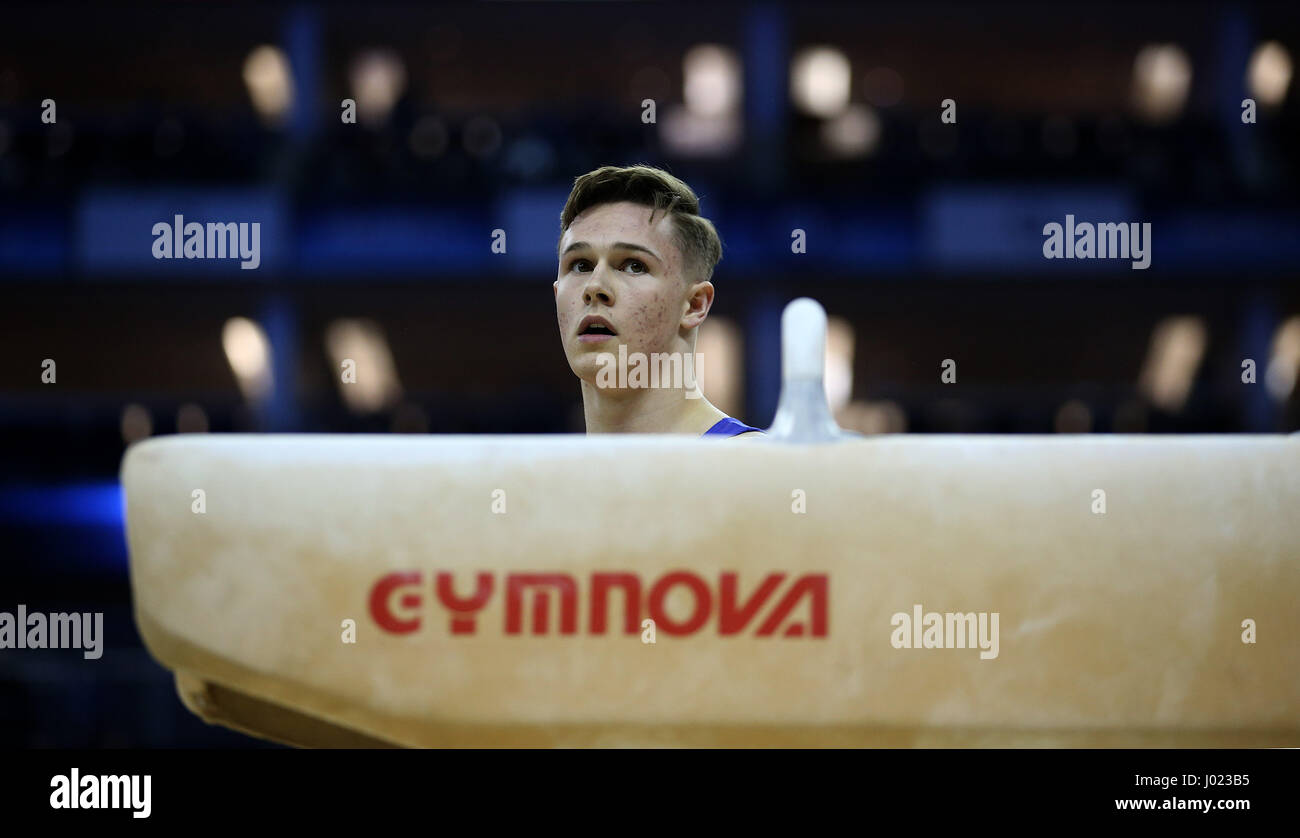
(924, 239)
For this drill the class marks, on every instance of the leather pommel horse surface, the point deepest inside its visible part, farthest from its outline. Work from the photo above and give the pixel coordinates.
(888, 591)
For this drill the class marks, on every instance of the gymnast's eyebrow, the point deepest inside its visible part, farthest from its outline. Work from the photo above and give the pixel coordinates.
(616, 246)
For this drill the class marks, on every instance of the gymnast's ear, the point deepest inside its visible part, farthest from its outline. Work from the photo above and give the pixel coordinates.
(698, 302)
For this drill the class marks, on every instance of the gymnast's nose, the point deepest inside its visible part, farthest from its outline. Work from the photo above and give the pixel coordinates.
(597, 289)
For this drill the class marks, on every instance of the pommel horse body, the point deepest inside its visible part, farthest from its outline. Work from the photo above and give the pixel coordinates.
(1140, 590)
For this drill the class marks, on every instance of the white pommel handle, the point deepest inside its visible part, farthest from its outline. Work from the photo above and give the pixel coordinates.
(803, 414)
(803, 340)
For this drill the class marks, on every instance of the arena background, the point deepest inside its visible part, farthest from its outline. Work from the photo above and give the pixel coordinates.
(924, 238)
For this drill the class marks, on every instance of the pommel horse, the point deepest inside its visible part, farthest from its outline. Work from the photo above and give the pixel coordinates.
(815, 588)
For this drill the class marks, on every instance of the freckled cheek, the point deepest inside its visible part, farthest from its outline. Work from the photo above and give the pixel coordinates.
(664, 311)
(651, 320)
(565, 305)
(661, 319)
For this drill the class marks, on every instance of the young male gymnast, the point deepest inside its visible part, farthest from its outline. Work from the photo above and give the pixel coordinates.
(636, 258)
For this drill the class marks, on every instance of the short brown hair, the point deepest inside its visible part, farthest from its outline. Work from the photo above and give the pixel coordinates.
(696, 237)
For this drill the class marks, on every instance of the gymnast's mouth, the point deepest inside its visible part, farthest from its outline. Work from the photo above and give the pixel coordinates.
(595, 328)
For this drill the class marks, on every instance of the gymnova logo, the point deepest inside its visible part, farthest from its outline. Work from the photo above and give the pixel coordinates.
(666, 370)
(949, 630)
(214, 240)
(1099, 241)
(400, 603)
(95, 791)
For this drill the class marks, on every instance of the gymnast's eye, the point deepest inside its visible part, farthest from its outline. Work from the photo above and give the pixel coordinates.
(573, 266)
(643, 270)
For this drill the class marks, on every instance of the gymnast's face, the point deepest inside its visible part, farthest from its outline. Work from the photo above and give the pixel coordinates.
(617, 265)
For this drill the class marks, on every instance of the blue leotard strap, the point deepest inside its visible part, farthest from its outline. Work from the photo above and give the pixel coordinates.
(729, 427)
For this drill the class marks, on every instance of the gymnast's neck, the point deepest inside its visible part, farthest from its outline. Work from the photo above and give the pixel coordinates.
(646, 411)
